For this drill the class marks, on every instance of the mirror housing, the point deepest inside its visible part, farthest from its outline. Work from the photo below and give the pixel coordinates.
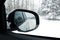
(11, 19)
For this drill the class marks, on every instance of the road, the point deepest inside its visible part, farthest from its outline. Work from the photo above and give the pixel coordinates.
(47, 28)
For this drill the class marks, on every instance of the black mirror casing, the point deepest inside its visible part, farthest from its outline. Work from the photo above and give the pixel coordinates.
(11, 19)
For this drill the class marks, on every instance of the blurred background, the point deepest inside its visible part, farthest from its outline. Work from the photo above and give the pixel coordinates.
(33, 5)
(50, 9)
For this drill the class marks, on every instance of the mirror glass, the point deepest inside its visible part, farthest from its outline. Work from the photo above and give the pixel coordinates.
(24, 21)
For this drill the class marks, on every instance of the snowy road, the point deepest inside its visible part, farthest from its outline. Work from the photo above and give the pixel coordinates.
(46, 28)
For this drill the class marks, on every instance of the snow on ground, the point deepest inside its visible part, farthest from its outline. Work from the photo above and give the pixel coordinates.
(46, 28)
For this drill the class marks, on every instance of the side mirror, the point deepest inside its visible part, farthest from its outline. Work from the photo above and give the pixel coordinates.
(23, 20)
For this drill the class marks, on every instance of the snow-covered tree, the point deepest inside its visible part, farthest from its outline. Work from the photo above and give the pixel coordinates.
(51, 8)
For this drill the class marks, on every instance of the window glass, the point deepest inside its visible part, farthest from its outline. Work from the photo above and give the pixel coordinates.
(48, 11)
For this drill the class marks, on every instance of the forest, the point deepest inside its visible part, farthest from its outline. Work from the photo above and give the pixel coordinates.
(22, 4)
(48, 8)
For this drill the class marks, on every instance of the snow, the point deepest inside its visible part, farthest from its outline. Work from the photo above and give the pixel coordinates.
(46, 28)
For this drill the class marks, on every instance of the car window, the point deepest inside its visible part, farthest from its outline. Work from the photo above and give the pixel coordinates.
(48, 11)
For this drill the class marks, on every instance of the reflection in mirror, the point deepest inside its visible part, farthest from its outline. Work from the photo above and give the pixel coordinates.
(24, 21)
